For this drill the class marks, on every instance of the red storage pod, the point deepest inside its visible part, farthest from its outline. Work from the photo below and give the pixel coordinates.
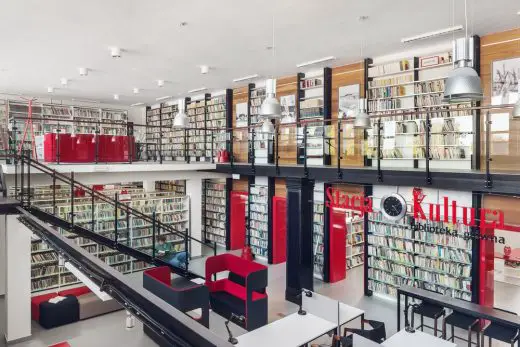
(49, 147)
(83, 148)
(337, 245)
(279, 229)
(105, 148)
(238, 220)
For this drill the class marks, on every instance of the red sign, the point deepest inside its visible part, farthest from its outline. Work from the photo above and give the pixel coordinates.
(482, 217)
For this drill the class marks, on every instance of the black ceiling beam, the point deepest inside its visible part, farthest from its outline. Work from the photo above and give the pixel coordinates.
(463, 181)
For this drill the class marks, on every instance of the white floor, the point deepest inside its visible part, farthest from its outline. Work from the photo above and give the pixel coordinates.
(109, 330)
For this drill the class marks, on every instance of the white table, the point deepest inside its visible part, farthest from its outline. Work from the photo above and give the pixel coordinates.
(418, 338)
(360, 341)
(349, 313)
(291, 331)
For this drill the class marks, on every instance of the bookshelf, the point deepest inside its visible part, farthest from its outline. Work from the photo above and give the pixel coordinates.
(162, 140)
(196, 111)
(50, 117)
(398, 255)
(259, 219)
(319, 229)
(176, 186)
(218, 108)
(417, 83)
(214, 217)
(135, 232)
(355, 251)
(257, 95)
(313, 109)
(153, 134)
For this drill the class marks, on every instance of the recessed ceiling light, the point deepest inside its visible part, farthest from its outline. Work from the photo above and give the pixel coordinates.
(116, 96)
(197, 90)
(137, 104)
(50, 90)
(160, 83)
(136, 90)
(183, 24)
(312, 62)
(64, 81)
(269, 48)
(518, 13)
(204, 69)
(115, 52)
(245, 78)
(163, 98)
(83, 71)
(362, 18)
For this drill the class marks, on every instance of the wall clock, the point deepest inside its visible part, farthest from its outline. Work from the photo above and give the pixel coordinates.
(393, 207)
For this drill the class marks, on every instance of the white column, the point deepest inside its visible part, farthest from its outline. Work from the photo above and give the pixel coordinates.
(18, 280)
(3, 258)
(194, 192)
(149, 186)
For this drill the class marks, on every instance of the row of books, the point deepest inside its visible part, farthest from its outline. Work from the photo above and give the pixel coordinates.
(404, 65)
(387, 92)
(390, 104)
(384, 82)
(311, 83)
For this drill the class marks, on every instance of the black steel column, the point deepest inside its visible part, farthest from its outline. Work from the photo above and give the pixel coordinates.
(368, 192)
(475, 252)
(270, 195)
(229, 186)
(299, 237)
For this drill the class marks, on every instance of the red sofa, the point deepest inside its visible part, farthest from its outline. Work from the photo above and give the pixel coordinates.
(242, 293)
(37, 300)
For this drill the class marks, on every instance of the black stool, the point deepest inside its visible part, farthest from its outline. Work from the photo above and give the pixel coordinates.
(425, 309)
(460, 320)
(501, 332)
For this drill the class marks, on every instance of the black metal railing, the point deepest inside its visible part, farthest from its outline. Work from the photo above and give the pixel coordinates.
(79, 211)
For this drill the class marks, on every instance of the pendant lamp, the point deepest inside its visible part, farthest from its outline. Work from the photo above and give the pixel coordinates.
(463, 82)
(181, 119)
(362, 120)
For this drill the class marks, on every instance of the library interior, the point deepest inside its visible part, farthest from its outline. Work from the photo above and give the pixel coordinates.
(185, 174)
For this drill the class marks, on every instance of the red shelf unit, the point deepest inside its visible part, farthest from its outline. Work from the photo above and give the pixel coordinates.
(279, 229)
(238, 220)
(337, 245)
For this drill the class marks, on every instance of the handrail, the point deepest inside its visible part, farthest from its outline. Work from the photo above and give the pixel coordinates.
(52, 172)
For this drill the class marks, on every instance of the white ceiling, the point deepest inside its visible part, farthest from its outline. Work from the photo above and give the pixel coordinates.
(43, 41)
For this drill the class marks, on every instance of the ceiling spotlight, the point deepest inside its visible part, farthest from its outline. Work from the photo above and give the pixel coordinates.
(362, 18)
(115, 52)
(183, 24)
(64, 81)
(116, 96)
(136, 90)
(50, 90)
(204, 69)
(160, 83)
(83, 71)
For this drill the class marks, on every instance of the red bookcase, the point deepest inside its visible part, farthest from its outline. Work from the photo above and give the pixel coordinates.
(337, 245)
(279, 229)
(238, 220)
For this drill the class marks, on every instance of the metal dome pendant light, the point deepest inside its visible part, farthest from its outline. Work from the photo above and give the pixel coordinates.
(463, 82)
(181, 119)
(271, 108)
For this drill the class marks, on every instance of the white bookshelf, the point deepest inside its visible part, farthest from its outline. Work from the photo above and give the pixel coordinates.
(214, 218)
(258, 218)
(318, 229)
(169, 208)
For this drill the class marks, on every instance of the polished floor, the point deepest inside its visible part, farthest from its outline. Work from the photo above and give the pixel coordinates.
(109, 330)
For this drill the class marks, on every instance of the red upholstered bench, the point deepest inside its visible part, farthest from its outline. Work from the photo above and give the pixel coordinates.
(37, 300)
(242, 293)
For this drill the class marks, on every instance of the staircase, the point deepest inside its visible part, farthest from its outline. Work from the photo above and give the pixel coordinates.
(123, 217)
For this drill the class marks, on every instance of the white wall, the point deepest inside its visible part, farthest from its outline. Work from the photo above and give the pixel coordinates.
(3, 256)
(18, 275)
(194, 191)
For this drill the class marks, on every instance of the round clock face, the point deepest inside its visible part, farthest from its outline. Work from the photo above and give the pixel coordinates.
(393, 207)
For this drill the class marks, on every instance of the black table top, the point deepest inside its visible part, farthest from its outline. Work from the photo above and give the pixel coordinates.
(462, 306)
